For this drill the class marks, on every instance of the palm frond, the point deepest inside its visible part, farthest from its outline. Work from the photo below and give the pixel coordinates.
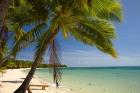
(67, 21)
(28, 38)
(19, 34)
(24, 14)
(40, 7)
(99, 34)
(105, 28)
(54, 61)
(107, 9)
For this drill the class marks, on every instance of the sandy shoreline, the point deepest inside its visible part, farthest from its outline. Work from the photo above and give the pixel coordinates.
(13, 78)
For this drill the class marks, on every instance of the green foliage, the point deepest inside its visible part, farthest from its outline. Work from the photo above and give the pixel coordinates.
(15, 64)
(68, 12)
(96, 32)
(2, 70)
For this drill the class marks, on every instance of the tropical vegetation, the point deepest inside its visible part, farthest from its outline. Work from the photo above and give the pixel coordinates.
(88, 21)
(2, 70)
(16, 64)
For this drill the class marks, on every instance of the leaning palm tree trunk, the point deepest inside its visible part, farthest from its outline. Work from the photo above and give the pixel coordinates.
(38, 59)
(5, 59)
(4, 5)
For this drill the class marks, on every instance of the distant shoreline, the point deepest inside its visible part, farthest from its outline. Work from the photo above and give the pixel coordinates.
(15, 64)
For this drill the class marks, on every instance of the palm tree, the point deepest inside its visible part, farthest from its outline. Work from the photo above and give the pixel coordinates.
(17, 17)
(88, 21)
(4, 5)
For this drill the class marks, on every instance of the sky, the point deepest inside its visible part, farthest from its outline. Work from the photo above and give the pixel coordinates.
(76, 54)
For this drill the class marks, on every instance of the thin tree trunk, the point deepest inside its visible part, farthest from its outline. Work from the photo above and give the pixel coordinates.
(4, 5)
(5, 59)
(25, 84)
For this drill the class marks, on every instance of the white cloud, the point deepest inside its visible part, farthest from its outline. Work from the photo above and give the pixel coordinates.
(89, 58)
(94, 58)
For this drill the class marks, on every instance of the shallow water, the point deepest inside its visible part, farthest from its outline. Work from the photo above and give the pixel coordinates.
(98, 80)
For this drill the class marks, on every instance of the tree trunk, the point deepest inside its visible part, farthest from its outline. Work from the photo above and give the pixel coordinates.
(4, 5)
(25, 84)
(5, 59)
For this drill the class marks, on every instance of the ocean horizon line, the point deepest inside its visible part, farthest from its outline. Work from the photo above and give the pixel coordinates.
(100, 66)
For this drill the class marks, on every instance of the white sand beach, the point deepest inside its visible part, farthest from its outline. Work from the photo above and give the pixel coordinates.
(13, 78)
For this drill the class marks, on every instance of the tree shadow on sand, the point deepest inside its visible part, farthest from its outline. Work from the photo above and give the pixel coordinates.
(12, 81)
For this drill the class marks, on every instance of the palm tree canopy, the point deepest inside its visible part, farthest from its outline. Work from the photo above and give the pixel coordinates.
(89, 21)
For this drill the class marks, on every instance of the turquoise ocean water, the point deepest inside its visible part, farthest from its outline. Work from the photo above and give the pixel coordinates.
(98, 80)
